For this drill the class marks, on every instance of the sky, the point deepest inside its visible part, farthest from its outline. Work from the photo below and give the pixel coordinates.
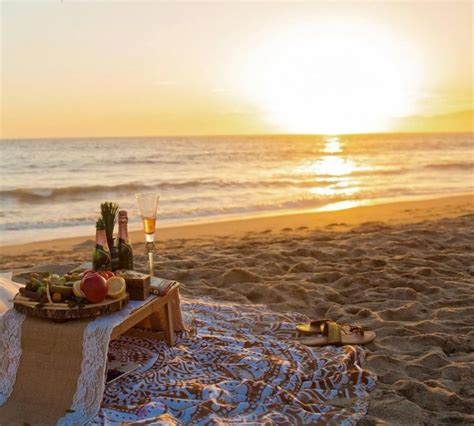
(78, 69)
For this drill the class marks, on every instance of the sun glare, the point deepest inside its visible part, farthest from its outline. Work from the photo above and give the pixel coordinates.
(332, 80)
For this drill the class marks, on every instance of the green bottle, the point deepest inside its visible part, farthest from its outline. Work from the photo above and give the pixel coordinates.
(101, 260)
(124, 246)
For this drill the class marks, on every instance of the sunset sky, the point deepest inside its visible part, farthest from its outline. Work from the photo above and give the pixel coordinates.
(138, 68)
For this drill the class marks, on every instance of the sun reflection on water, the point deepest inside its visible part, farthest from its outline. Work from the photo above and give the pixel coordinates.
(335, 190)
(333, 165)
(336, 169)
(333, 145)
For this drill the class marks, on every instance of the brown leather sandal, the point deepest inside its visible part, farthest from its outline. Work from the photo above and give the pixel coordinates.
(335, 334)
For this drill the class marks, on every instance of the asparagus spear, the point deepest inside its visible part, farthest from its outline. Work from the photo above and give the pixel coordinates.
(109, 216)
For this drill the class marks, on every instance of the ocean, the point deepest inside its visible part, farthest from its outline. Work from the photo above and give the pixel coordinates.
(53, 188)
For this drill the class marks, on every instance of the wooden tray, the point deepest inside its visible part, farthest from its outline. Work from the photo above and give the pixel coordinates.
(61, 311)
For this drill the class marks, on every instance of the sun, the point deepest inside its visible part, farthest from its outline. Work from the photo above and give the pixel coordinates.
(331, 80)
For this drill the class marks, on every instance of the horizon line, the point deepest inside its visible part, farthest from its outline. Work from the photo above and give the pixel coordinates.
(220, 135)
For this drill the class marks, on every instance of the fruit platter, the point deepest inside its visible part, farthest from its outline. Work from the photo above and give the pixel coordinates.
(75, 295)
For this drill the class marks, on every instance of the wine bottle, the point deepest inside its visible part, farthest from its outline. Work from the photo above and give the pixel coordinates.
(124, 246)
(101, 260)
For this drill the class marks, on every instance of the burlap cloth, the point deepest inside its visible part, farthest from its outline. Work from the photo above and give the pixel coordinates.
(47, 377)
(50, 365)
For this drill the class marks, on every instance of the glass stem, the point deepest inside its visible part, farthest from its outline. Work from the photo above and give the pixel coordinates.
(150, 260)
(150, 246)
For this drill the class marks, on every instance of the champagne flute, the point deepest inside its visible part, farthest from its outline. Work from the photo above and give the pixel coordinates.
(148, 204)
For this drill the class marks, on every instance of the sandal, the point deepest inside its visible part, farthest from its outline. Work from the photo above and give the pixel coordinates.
(335, 334)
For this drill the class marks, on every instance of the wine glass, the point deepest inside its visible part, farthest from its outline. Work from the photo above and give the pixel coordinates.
(148, 204)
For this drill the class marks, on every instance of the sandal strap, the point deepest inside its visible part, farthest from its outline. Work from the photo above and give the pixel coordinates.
(333, 332)
(319, 323)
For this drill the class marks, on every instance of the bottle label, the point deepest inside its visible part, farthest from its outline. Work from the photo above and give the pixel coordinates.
(123, 227)
(123, 231)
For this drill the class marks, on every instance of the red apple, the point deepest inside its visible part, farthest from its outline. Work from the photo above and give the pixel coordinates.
(88, 272)
(94, 287)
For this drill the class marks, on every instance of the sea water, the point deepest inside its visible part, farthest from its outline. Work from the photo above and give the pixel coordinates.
(53, 188)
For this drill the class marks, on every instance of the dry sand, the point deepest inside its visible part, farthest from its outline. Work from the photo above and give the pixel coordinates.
(405, 270)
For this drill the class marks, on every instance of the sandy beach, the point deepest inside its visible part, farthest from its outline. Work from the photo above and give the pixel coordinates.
(404, 270)
(294, 160)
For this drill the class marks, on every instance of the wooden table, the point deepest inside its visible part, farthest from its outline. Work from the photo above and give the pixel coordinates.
(160, 318)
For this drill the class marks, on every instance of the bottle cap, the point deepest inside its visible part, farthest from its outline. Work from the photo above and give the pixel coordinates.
(122, 216)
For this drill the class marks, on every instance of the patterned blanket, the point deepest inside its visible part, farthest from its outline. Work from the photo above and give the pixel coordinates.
(238, 364)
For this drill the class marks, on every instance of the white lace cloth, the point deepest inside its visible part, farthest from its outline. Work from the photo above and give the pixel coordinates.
(10, 351)
(8, 289)
(10, 336)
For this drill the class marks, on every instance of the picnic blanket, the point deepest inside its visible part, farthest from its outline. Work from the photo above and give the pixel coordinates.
(238, 364)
